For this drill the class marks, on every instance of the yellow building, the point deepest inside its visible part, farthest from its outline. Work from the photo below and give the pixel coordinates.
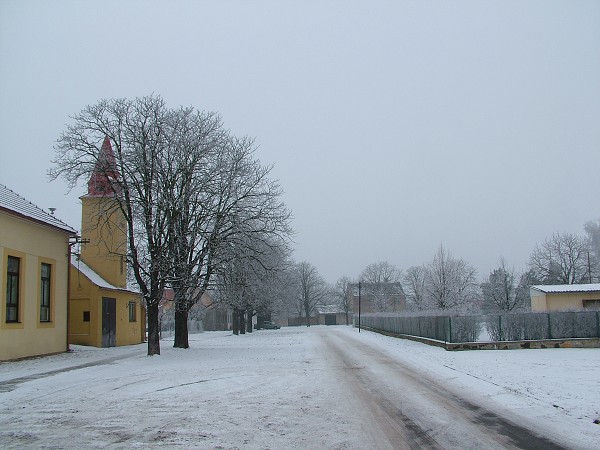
(103, 311)
(34, 249)
(563, 297)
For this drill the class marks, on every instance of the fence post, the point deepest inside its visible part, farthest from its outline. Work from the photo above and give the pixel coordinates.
(549, 326)
(449, 338)
(598, 324)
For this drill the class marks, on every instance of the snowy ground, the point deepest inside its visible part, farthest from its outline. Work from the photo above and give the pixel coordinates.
(273, 389)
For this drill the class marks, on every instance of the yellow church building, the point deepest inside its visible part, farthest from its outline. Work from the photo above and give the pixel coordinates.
(103, 311)
(34, 252)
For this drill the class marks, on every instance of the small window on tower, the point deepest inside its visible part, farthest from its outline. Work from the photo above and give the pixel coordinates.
(86, 316)
(132, 311)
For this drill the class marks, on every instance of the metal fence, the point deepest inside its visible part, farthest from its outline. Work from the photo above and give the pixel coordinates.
(490, 328)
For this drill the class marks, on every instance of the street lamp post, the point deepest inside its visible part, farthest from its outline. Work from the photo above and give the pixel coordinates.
(359, 287)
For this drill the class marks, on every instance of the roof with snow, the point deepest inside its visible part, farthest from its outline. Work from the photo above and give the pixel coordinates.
(93, 276)
(392, 289)
(329, 309)
(14, 204)
(566, 288)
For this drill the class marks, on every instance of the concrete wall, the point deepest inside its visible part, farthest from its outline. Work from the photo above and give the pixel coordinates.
(34, 244)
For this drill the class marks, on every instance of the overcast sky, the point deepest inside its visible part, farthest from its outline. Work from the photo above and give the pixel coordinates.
(393, 126)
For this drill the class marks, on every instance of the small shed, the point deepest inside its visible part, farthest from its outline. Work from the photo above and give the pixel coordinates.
(560, 297)
(332, 315)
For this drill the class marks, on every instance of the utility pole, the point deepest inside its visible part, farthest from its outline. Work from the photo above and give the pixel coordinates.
(359, 286)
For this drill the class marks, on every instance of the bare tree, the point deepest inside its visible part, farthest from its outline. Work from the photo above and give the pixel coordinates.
(187, 189)
(414, 285)
(138, 130)
(451, 282)
(381, 272)
(221, 198)
(382, 284)
(592, 230)
(195, 142)
(503, 291)
(341, 297)
(561, 259)
(312, 289)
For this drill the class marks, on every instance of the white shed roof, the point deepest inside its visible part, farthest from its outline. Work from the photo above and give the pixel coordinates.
(566, 288)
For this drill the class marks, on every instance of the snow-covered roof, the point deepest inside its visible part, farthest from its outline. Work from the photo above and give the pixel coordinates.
(13, 203)
(329, 309)
(392, 289)
(95, 278)
(566, 288)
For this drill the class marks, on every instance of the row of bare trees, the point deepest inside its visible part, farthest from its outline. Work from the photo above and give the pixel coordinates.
(450, 283)
(199, 207)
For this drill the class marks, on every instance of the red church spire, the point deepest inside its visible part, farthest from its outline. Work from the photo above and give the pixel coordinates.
(102, 182)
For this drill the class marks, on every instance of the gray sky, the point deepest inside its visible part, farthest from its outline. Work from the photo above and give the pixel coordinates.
(393, 126)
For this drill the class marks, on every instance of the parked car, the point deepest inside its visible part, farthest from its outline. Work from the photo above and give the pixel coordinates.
(266, 325)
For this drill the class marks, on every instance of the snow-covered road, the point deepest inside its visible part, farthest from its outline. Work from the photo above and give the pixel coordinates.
(404, 408)
(298, 388)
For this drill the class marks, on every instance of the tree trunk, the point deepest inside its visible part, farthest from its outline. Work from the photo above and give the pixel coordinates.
(181, 328)
(236, 322)
(153, 341)
(249, 321)
(307, 311)
(242, 321)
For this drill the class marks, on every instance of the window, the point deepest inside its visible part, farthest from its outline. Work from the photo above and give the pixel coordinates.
(12, 289)
(45, 293)
(132, 311)
(86, 316)
(591, 304)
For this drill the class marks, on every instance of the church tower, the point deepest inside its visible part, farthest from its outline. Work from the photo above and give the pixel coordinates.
(103, 226)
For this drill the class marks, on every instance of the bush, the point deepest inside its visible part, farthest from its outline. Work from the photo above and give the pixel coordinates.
(465, 328)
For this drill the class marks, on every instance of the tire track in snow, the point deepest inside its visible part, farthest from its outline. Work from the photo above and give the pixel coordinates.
(413, 410)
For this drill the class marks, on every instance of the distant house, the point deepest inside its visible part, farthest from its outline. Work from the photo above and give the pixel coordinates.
(34, 249)
(565, 297)
(376, 297)
(104, 312)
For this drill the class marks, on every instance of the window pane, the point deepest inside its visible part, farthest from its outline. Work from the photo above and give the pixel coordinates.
(13, 264)
(132, 311)
(12, 289)
(46, 270)
(11, 314)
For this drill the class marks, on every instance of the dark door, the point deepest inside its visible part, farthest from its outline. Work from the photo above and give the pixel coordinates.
(330, 319)
(109, 322)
